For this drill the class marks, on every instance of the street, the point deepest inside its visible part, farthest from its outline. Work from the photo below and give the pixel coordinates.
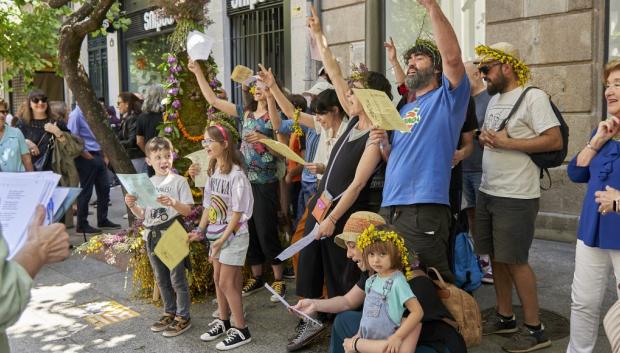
(54, 322)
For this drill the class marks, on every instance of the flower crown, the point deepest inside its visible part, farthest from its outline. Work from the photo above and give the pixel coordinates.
(371, 235)
(359, 73)
(425, 46)
(221, 121)
(519, 67)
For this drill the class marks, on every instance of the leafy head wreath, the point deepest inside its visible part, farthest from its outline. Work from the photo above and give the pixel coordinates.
(487, 53)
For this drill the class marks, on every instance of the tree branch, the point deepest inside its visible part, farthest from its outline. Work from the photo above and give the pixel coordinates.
(96, 17)
(56, 4)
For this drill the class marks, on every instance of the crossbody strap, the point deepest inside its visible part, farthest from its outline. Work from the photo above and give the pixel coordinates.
(329, 172)
(514, 108)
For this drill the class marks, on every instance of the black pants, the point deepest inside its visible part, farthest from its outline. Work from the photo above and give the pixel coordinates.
(263, 226)
(93, 173)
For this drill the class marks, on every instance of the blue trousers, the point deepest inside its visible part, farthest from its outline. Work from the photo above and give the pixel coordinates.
(93, 173)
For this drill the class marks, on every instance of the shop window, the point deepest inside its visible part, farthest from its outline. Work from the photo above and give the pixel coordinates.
(614, 29)
(403, 22)
(143, 58)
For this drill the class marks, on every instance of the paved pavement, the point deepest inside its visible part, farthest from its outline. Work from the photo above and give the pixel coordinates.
(53, 322)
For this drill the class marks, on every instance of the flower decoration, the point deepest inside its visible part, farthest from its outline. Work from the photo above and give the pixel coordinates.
(371, 235)
(519, 67)
(296, 128)
(360, 74)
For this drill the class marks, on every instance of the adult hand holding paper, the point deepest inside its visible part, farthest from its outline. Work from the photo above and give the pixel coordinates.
(289, 307)
(173, 246)
(380, 110)
(199, 45)
(282, 149)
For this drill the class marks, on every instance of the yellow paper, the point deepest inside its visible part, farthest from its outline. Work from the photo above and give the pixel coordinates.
(172, 247)
(380, 110)
(202, 159)
(241, 73)
(100, 314)
(283, 150)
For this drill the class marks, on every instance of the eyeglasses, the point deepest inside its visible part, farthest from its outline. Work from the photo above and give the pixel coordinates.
(484, 69)
(615, 85)
(207, 142)
(36, 100)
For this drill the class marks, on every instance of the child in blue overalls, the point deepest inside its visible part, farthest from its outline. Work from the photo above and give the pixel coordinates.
(388, 294)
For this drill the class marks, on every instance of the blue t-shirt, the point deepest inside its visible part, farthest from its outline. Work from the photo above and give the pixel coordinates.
(312, 143)
(79, 127)
(418, 170)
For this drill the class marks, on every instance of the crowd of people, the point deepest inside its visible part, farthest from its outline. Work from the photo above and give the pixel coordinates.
(381, 205)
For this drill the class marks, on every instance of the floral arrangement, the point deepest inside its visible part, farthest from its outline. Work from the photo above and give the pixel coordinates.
(371, 235)
(359, 73)
(519, 67)
(296, 128)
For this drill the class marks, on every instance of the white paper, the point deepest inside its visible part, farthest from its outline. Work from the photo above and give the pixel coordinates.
(140, 186)
(20, 194)
(201, 158)
(288, 306)
(199, 45)
(298, 245)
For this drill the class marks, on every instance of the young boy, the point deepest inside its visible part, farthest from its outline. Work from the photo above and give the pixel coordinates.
(176, 199)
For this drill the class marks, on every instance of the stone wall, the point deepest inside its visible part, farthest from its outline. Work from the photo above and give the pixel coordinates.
(560, 41)
(344, 26)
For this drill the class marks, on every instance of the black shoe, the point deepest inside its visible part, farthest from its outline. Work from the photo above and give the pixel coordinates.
(289, 273)
(87, 229)
(306, 333)
(234, 338)
(108, 224)
(251, 286)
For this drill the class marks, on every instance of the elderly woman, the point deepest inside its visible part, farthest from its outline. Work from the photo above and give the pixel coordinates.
(42, 129)
(14, 153)
(598, 244)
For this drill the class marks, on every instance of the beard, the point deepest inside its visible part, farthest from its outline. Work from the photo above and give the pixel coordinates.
(497, 85)
(420, 79)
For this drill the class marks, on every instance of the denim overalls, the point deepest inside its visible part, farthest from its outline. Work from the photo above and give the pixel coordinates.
(376, 322)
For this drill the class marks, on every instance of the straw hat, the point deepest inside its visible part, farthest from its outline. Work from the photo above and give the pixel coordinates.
(355, 225)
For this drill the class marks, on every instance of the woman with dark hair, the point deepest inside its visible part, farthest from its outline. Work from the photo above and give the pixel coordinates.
(262, 170)
(151, 116)
(353, 181)
(129, 109)
(42, 130)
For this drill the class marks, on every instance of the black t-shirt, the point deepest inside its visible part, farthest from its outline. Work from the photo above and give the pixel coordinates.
(456, 177)
(147, 125)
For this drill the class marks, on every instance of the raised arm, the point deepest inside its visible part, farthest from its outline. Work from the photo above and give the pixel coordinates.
(329, 61)
(447, 43)
(390, 50)
(219, 104)
(285, 105)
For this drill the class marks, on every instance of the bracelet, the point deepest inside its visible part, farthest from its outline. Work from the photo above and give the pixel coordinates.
(331, 219)
(589, 146)
(355, 344)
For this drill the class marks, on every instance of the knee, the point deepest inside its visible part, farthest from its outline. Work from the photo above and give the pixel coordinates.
(225, 284)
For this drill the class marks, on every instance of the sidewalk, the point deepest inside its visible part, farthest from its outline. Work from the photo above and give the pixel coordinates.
(53, 323)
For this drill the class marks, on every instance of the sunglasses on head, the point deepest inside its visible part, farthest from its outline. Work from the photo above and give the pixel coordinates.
(36, 100)
(484, 69)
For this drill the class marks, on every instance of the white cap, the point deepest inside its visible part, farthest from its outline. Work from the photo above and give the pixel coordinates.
(318, 87)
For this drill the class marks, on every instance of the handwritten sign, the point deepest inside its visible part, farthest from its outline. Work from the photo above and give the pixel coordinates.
(380, 110)
(172, 247)
(241, 73)
(283, 149)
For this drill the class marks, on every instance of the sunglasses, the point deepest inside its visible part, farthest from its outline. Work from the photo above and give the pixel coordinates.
(484, 69)
(36, 100)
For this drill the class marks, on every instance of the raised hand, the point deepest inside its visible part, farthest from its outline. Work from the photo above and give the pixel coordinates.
(194, 67)
(313, 22)
(266, 76)
(390, 51)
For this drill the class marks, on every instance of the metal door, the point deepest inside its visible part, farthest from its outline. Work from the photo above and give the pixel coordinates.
(98, 66)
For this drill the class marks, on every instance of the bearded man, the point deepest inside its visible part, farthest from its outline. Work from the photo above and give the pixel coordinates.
(415, 195)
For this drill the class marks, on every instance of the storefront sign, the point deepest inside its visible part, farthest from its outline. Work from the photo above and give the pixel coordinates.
(235, 4)
(154, 20)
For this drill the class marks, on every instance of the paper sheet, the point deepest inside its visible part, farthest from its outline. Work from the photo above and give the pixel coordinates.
(282, 149)
(380, 110)
(241, 73)
(199, 45)
(71, 195)
(288, 306)
(172, 247)
(202, 158)
(140, 186)
(298, 245)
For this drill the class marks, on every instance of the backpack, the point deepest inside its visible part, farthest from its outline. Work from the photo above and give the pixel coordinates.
(550, 159)
(463, 308)
(466, 267)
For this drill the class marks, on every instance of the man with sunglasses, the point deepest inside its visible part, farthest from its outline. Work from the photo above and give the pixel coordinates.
(508, 201)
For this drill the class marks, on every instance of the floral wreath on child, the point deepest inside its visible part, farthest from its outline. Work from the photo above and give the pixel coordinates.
(371, 235)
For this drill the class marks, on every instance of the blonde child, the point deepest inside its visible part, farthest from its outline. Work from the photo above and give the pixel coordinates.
(176, 200)
(228, 203)
(388, 294)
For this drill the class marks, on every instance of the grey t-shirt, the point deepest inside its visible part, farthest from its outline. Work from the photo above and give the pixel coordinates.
(174, 186)
(474, 162)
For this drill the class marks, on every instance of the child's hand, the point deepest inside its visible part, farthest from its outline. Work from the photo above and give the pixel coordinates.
(195, 235)
(216, 246)
(393, 344)
(130, 200)
(166, 200)
(348, 345)
(194, 67)
(194, 170)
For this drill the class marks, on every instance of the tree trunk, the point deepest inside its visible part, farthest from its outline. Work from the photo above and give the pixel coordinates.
(72, 34)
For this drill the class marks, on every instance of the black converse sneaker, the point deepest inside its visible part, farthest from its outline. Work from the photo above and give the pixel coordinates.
(234, 338)
(216, 329)
(251, 286)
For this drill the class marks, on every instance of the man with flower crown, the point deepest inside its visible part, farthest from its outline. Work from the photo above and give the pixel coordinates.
(415, 194)
(518, 121)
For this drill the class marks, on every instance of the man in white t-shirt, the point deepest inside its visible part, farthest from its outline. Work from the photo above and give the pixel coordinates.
(508, 202)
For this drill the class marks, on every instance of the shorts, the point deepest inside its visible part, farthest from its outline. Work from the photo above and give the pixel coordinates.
(235, 248)
(505, 227)
(471, 184)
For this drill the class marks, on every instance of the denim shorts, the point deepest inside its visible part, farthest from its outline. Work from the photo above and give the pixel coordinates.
(235, 249)
(471, 184)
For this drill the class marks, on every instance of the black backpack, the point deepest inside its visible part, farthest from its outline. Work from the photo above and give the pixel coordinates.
(545, 160)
